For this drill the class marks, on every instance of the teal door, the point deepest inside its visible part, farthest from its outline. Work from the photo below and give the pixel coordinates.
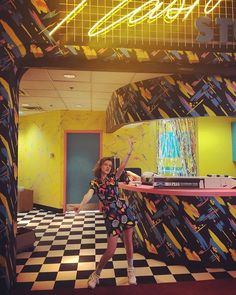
(82, 152)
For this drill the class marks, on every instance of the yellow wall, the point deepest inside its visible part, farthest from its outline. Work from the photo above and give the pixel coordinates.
(116, 144)
(215, 146)
(39, 136)
(43, 134)
(145, 151)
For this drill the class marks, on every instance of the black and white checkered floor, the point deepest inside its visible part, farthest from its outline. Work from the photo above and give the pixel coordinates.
(68, 246)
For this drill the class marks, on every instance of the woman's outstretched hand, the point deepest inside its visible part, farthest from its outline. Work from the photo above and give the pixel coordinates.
(131, 145)
(77, 209)
(125, 161)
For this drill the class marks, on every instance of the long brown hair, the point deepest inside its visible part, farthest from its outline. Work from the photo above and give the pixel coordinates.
(98, 165)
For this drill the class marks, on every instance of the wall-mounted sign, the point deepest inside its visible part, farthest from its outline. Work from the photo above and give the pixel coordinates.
(179, 24)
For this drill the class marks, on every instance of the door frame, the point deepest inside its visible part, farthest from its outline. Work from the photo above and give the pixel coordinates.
(66, 132)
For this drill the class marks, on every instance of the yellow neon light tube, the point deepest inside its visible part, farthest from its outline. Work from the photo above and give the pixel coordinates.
(165, 10)
(206, 11)
(92, 32)
(70, 16)
(142, 18)
(169, 13)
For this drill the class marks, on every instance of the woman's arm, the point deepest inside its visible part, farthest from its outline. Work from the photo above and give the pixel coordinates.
(86, 198)
(125, 161)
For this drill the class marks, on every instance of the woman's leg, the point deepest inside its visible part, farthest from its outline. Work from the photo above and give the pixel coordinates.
(128, 241)
(111, 247)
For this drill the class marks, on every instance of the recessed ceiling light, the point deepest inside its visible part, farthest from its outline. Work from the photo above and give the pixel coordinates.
(25, 105)
(69, 76)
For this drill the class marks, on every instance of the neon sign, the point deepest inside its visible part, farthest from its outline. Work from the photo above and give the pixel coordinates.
(162, 24)
(150, 11)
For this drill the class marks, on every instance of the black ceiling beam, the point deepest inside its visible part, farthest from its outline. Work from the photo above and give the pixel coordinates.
(73, 63)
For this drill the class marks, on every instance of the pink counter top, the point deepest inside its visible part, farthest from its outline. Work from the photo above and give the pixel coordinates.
(179, 191)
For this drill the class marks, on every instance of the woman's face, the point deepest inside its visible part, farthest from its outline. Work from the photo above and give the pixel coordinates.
(106, 167)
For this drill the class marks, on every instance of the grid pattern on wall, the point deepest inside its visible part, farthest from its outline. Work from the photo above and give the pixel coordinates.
(141, 23)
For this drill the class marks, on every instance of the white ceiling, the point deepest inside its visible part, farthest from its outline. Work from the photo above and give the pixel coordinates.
(48, 90)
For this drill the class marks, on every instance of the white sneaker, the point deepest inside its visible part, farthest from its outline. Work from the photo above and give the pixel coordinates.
(93, 280)
(131, 276)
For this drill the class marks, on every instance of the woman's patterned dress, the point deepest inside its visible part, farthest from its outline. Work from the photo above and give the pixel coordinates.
(118, 215)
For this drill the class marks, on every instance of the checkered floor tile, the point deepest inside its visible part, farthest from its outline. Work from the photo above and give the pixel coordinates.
(68, 247)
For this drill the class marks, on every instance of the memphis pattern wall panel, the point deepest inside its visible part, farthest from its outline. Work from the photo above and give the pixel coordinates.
(9, 83)
(172, 97)
(186, 229)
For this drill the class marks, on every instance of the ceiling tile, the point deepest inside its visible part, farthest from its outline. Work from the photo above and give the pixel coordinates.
(93, 90)
(74, 94)
(40, 98)
(43, 92)
(72, 86)
(100, 101)
(112, 77)
(25, 100)
(101, 95)
(76, 101)
(27, 85)
(36, 75)
(50, 103)
(105, 87)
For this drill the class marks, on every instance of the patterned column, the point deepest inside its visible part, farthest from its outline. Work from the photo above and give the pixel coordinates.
(9, 96)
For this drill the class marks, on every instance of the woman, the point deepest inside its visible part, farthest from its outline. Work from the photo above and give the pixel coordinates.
(119, 218)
